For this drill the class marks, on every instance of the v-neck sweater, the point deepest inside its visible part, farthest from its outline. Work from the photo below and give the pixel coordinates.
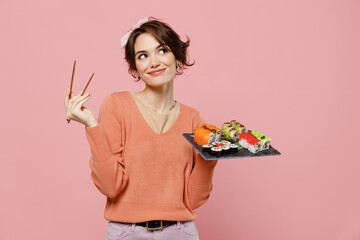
(145, 175)
(159, 122)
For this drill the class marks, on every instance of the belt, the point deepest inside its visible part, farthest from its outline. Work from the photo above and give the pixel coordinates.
(156, 225)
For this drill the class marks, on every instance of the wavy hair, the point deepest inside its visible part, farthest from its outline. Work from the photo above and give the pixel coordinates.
(168, 39)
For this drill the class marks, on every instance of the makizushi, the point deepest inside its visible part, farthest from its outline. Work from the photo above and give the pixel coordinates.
(217, 144)
(250, 142)
(226, 143)
(234, 148)
(206, 134)
(225, 149)
(207, 148)
(264, 140)
(216, 151)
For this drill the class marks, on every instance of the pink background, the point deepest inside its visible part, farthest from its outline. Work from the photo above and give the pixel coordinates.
(289, 69)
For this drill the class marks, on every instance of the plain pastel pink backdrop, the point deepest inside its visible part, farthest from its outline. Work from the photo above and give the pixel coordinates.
(289, 69)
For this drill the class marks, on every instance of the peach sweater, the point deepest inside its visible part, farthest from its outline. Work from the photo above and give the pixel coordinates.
(145, 175)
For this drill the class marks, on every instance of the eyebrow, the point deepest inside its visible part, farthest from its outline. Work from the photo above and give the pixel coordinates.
(143, 51)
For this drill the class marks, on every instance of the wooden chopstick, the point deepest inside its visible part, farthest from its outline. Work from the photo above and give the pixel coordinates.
(71, 84)
(72, 79)
(87, 84)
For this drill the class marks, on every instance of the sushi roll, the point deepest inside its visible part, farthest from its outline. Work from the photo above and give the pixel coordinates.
(241, 128)
(203, 136)
(232, 130)
(225, 149)
(217, 131)
(234, 148)
(216, 151)
(232, 134)
(226, 125)
(264, 140)
(224, 142)
(207, 148)
(206, 134)
(249, 141)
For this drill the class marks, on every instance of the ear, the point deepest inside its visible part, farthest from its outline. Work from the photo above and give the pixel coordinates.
(134, 73)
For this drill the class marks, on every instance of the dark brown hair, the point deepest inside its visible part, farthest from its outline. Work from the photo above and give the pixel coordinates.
(166, 36)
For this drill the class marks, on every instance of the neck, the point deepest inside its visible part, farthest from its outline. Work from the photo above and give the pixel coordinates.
(160, 99)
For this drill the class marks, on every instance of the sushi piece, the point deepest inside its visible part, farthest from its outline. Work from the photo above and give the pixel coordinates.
(238, 126)
(227, 143)
(234, 148)
(226, 125)
(231, 134)
(232, 130)
(216, 151)
(203, 136)
(206, 134)
(207, 148)
(250, 142)
(264, 140)
(215, 130)
(241, 128)
(218, 144)
(225, 149)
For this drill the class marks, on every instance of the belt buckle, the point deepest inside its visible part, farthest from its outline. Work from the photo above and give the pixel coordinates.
(154, 228)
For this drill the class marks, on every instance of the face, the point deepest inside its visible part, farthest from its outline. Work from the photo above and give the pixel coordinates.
(155, 65)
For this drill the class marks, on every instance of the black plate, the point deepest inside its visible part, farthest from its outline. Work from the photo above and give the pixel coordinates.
(241, 153)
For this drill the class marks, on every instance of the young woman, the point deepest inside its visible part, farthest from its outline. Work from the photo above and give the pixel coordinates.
(151, 175)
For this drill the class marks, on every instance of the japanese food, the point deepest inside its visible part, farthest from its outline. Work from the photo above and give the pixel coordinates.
(218, 144)
(232, 130)
(264, 140)
(225, 149)
(216, 130)
(229, 139)
(207, 134)
(206, 148)
(216, 151)
(234, 148)
(232, 135)
(249, 141)
(224, 142)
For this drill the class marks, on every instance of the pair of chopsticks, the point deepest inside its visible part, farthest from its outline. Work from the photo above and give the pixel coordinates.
(72, 80)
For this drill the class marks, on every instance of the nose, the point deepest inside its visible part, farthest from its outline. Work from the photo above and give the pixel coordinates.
(154, 62)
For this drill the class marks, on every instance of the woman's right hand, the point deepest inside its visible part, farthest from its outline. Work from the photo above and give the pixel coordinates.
(76, 111)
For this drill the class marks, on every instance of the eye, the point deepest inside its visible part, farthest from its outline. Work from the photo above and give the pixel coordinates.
(140, 56)
(163, 50)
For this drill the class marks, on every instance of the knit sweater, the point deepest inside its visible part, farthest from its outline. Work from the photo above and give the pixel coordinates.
(145, 175)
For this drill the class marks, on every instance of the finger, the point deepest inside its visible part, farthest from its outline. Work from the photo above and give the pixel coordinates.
(74, 98)
(67, 94)
(82, 97)
(79, 99)
(67, 97)
(80, 106)
(82, 102)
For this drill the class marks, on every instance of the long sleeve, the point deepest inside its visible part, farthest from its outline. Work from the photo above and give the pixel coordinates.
(200, 182)
(106, 143)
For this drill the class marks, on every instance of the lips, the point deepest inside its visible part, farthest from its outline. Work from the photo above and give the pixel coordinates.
(157, 72)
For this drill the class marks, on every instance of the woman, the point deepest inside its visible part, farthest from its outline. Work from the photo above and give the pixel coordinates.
(152, 177)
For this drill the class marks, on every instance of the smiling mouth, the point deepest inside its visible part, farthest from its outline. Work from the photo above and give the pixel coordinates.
(158, 72)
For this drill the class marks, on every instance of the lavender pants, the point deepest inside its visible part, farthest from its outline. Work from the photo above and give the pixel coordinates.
(180, 231)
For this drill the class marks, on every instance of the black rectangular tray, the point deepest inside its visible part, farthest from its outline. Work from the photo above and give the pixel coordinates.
(240, 154)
